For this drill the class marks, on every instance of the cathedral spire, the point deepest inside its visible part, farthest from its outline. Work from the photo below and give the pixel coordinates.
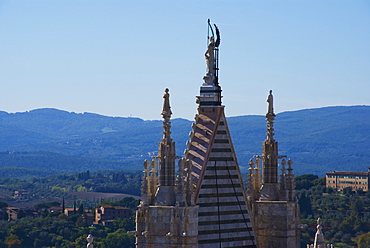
(165, 194)
(273, 205)
(270, 187)
(167, 215)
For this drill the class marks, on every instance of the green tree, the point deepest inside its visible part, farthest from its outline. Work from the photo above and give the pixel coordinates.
(2, 244)
(44, 205)
(81, 209)
(320, 181)
(5, 215)
(128, 224)
(81, 221)
(119, 239)
(305, 205)
(12, 241)
(363, 241)
(347, 191)
(357, 206)
(80, 241)
(3, 205)
(21, 214)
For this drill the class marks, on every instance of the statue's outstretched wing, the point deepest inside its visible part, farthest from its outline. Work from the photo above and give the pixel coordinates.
(218, 36)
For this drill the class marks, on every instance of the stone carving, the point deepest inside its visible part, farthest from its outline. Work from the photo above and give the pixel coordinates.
(90, 240)
(166, 112)
(319, 236)
(270, 100)
(210, 55)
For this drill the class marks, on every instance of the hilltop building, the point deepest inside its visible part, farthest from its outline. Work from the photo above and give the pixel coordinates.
(12, 213)
(273, 206)
(21, 195)
(105, 214)
(167, 216)
(357, 180)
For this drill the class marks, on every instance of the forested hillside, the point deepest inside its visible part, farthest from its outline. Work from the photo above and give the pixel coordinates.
(45, 141)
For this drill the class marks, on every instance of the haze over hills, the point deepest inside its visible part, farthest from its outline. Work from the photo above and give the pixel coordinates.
(46, 141)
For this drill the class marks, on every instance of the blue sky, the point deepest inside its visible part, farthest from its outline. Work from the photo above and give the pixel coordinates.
(116, 57)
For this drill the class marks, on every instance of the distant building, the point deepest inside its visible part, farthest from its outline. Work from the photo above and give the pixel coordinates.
(56, 209)
(15, 213)
(21, 195)
(107, 213)
(12, 213)
(342, 179)
(69, 211)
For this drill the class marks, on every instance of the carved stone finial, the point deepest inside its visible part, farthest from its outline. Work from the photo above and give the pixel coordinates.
(251, 163)
(166, 113)
(90, 240)
(270, 117)
(258, 162)
(290, 163)
(319, 236)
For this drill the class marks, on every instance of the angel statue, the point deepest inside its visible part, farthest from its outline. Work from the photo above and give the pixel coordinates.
(210, 52)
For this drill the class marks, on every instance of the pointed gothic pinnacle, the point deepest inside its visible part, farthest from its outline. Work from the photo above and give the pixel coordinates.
(166, 113)
(270, 117)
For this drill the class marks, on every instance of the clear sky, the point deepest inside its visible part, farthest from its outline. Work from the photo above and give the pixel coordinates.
(116, 57)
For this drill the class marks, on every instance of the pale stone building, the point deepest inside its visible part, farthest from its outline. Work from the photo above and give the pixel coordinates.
(105, 213)
(357, 180)
(272, 202)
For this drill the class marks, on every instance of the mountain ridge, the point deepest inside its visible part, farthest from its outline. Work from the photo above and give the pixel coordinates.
(318, 140)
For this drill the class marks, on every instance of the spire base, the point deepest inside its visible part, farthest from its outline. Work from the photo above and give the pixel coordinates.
(165, 196)
(210, 95)
(269, 192)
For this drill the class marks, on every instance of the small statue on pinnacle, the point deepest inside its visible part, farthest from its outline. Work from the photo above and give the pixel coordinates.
(270, 100)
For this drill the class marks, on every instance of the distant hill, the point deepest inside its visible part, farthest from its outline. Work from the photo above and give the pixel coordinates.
(51, 140)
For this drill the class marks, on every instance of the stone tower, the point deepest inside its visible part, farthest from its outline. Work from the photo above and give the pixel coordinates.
(167, 216)
(219, 192)
(272, 202)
